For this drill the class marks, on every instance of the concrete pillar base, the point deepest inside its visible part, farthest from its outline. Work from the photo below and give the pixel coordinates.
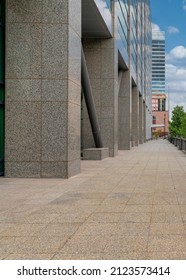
(95, 153)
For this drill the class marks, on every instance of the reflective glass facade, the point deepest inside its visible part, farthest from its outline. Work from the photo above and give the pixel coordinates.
(109, 3)
(158, 62)
(140, 45)
(144, 37)
(133, 37)
(147, 59)
(135, 41)
(123, 28)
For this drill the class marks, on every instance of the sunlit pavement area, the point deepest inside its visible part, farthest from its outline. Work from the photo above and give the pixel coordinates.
(132, 206)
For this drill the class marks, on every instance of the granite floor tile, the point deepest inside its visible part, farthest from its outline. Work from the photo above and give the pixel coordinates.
(183, 209)
(113, 202)
(166, 198)
(126, 244)
(85, 244)
(167, 229)
(12, 218)
(167, 243)
(172, 255)
(142, 199)
(61, 256)
(181, 199)
(42, 245)
(134, 217)
(126, 256)
(3, 255)
(138, 208)
(104, 217)
(39, 218)
(88, 195)
(22, 230)
(95, 229)
(110, 207)
(29, 257)
(11, 244)
(133, 229)
(103, 256)
(5, 226)
(165, 208)
(166, 217)
(71, 218)
(62, 229)
(132, 206)
(183, 215)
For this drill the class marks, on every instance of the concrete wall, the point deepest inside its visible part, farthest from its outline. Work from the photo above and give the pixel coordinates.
(43, 88)
(141, 120)
(102, 62)
(144, 121)
(125, 112)
(148, 124)
(135, 116)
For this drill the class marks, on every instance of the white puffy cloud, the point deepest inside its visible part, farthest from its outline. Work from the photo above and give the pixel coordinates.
(179, 73)
(176, 85)
(155, 27)
(176, 76)
(172, 30)
(179, 52)
(184, 4)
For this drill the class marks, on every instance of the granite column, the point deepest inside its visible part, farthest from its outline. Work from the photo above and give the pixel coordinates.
(43, 88)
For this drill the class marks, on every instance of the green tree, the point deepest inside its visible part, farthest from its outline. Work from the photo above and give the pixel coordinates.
(176, 125)
(183, 127)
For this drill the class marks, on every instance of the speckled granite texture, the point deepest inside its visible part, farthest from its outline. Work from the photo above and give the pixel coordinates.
(132, 206)
(43, 88)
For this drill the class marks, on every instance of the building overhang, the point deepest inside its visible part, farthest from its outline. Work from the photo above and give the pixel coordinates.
(96, 19)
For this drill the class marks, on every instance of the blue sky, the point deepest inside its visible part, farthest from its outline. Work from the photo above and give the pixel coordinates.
(170, 16)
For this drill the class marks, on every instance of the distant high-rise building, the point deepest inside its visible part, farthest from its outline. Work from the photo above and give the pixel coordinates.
(158, 62)
(159, 111)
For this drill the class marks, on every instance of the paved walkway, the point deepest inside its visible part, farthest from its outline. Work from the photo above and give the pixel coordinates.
(132, 206)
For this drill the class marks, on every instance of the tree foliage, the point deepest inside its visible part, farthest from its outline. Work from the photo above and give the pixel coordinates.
(177, 125)
(183, 127)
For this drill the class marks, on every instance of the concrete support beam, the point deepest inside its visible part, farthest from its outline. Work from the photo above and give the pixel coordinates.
(141, 121)
(43, 88)
(148, 124)
(102, 62)
(144, 121)
(125, 112)
(135, 116)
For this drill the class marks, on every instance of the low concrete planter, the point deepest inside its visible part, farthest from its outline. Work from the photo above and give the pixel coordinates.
(95, 153)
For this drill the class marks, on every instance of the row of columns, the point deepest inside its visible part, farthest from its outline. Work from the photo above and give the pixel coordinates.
(120, 107)
(131, 114)
(43, 91)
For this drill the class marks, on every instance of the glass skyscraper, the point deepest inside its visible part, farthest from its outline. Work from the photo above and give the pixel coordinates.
(158, 62)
